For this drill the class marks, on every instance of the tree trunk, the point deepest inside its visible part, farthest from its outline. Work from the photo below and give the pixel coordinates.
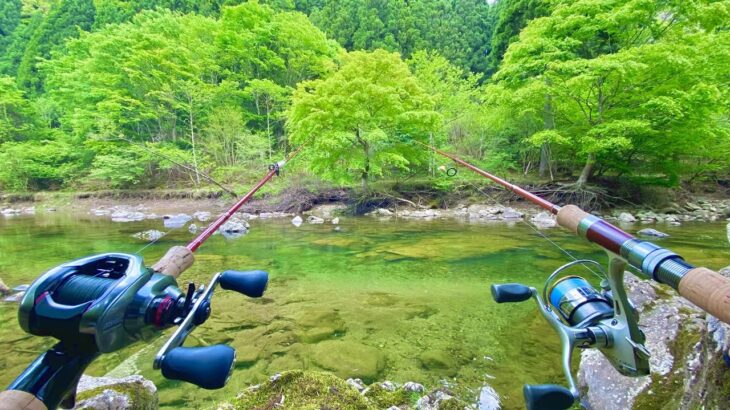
(192, 141)
(587, 171)
(268, 127)
(366, 167)
(548, 119)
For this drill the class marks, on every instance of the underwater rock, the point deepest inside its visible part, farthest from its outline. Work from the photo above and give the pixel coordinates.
(176, 221)
(626, 217)
(488, 399)
(653, 233)
(202, 216)
(432, 359)
(192, 228)
(314, 220)
(348, 359)
(297, 221)
(11, 212)
(150, 235)
(105, 393)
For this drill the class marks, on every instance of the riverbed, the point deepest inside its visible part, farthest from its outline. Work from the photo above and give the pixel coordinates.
(379, 299)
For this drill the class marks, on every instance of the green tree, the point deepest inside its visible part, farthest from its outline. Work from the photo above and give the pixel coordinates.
(15, 112)
(9, 20)
(363, 117)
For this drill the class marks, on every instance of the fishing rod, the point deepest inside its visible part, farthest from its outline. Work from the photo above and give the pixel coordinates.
(102, 303)
(607, 320)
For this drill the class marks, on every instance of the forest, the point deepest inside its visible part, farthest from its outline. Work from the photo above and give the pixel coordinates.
(131, 94)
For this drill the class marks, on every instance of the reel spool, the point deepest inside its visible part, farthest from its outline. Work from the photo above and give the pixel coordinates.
(583, 317)
(102, 303)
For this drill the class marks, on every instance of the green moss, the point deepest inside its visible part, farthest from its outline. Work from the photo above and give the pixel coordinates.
(718, 385)
(383, 398)
(667, 391)
(303, 390)
(139, 397)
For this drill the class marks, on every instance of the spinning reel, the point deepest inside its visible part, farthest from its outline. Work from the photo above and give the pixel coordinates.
(584, 318)
(102, 303)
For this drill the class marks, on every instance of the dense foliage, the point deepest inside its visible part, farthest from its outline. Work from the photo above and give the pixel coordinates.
(118, 93)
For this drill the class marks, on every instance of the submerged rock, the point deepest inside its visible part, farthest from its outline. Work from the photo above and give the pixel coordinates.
(297, 221)
(176, 221)
(202, 216)
(192, 228)
(105, 393)
(150, 235)
(234, 228)
(653, 233)
(314, 219)
(127, 216)
(488, 399)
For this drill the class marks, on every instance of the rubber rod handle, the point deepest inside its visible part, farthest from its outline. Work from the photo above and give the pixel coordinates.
(252, 283)
(569, 217)
(709, 290)
(511, 292)
(19, 400)
(207, 367)
(176, 261)
(547, 397)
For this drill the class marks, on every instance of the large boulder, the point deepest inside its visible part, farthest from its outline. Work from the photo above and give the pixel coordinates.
(106, 393)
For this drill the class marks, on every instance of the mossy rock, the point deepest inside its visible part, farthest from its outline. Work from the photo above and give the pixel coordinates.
(133, 392)
(301, 390)
(383, 398)
(348, 359)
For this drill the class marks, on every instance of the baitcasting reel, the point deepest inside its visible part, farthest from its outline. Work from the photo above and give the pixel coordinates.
(584, 318)
(102, 303)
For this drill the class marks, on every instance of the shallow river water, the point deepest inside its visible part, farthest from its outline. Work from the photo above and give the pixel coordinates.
(380, 300)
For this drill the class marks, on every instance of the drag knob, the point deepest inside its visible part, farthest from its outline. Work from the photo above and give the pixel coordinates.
(511, 292)
(547, 397)
(252, 283)
(208, 367)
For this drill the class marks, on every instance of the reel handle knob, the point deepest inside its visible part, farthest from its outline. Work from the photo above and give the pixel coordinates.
(207, 367)
(252, 283)
(547, 397)
(511, 292)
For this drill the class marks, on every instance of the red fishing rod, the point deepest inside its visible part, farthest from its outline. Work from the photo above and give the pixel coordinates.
(179, 258)
(101, 303)
(702, 286)
(605, 319)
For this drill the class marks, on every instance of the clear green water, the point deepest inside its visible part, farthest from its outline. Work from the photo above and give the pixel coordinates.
(391, 300)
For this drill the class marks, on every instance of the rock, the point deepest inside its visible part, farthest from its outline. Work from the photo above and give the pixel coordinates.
(14, 298)
(127, 216)
(29, 211)
(337, 229)
(105, 393)
(510, 213)
(314, 220)
(348, 359)
(234, 228)
(383, 212)
(100, 212)
(438, 399)
(192, 228)
(150, 235)
(11, 212)
(388, 385)
(413, 387)
(335, 221)
(202, 216)
(626, 217)
(176, 221)
(543, 220)
(4, 289)
(356, 383)
(425, 214)
(297, 221)
(690, 206)
(488, 399)
(652, 233)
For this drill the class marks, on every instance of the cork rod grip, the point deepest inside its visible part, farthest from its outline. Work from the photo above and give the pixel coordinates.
(19, 400)
(709, 290)
(176, 261)
(570, 216)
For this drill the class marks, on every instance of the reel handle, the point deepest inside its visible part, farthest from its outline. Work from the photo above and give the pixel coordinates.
(252, 283)
(547, 397)
(207, 367)
(511, 292)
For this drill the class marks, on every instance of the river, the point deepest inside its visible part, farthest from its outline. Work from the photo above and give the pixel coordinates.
(380, 300)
